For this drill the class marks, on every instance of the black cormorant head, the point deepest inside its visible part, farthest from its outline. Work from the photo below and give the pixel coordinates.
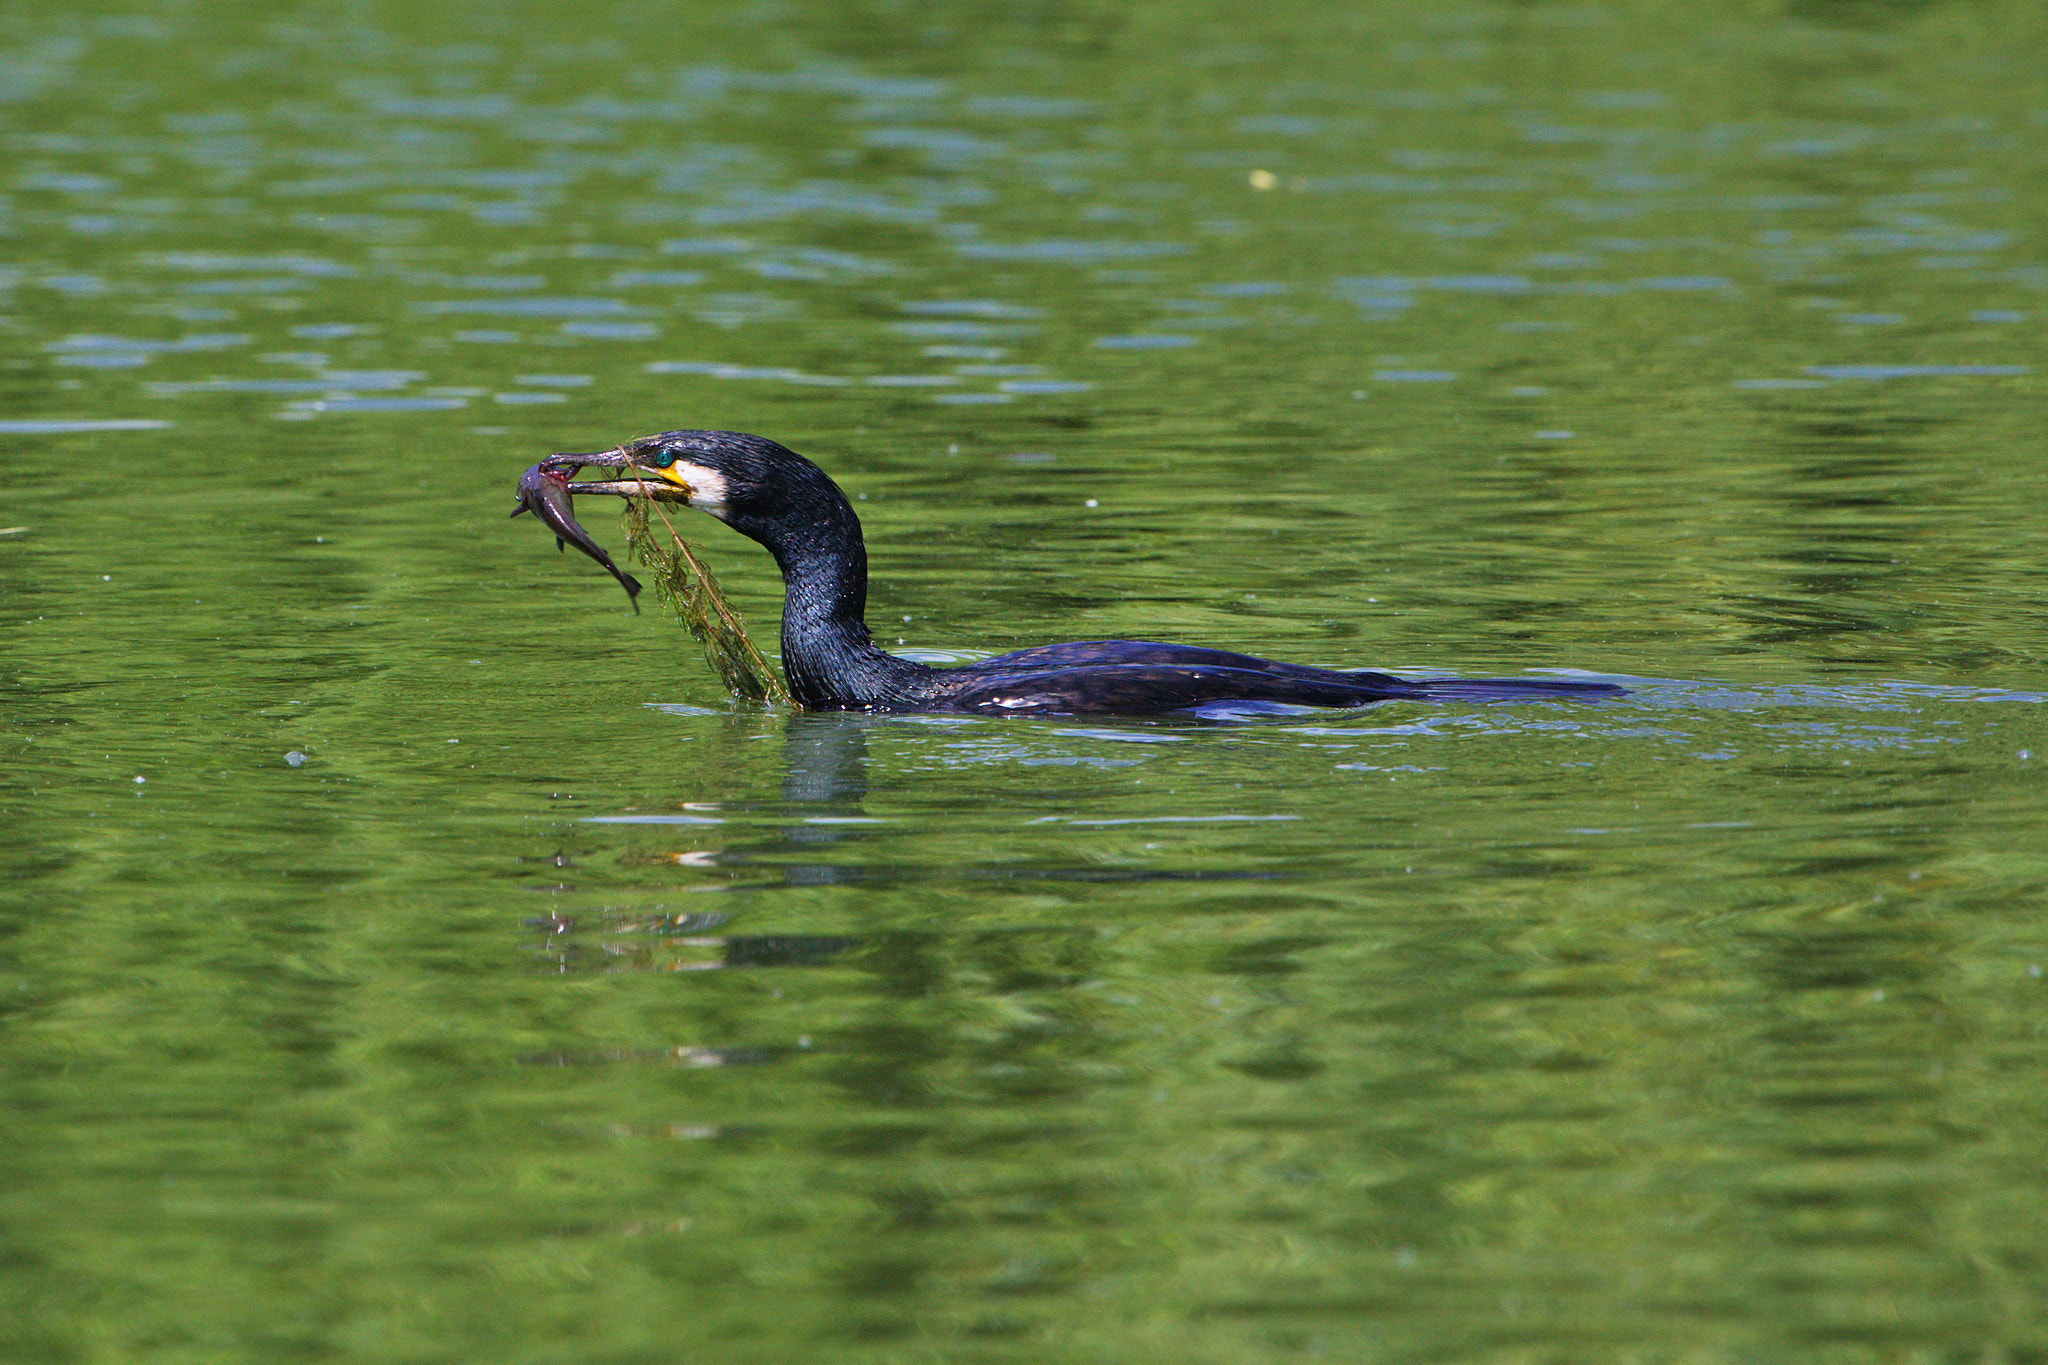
(755, 486)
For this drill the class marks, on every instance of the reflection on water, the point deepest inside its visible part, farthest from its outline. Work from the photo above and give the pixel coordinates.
(412, 955)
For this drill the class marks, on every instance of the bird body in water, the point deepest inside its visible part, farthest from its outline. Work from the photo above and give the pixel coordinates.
(777, 497)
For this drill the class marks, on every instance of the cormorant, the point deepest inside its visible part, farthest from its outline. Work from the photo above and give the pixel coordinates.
(777, 497)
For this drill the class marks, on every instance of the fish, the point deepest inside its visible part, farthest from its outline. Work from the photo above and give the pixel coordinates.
(544, 491)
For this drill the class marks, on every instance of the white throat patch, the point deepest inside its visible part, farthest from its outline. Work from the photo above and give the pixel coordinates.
(707, 487)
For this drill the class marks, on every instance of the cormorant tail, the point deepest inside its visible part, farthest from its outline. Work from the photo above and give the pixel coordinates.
(1512, 689)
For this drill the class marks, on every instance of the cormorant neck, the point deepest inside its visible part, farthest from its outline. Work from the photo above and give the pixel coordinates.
(828, 655)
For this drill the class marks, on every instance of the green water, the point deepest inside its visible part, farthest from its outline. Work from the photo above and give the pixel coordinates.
(410, 955)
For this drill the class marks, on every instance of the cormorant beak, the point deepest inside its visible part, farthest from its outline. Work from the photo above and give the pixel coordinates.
(635, 480)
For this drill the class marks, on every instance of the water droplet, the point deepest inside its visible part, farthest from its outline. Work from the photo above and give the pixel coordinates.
(295, 758)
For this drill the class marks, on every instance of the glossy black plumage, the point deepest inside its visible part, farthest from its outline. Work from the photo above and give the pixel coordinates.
(789, 505)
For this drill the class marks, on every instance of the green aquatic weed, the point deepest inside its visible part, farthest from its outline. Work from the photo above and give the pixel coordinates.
(692, 592)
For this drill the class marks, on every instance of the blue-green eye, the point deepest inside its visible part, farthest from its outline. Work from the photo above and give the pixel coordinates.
(662, 461)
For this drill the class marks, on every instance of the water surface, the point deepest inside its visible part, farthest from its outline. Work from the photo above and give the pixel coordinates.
(411, 956)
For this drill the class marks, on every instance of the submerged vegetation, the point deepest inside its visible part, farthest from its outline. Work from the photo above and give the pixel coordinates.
(692, 592)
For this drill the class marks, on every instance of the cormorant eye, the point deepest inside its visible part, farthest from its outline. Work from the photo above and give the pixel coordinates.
(661, 461)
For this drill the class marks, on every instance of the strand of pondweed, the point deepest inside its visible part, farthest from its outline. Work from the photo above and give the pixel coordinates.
(693, 594)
